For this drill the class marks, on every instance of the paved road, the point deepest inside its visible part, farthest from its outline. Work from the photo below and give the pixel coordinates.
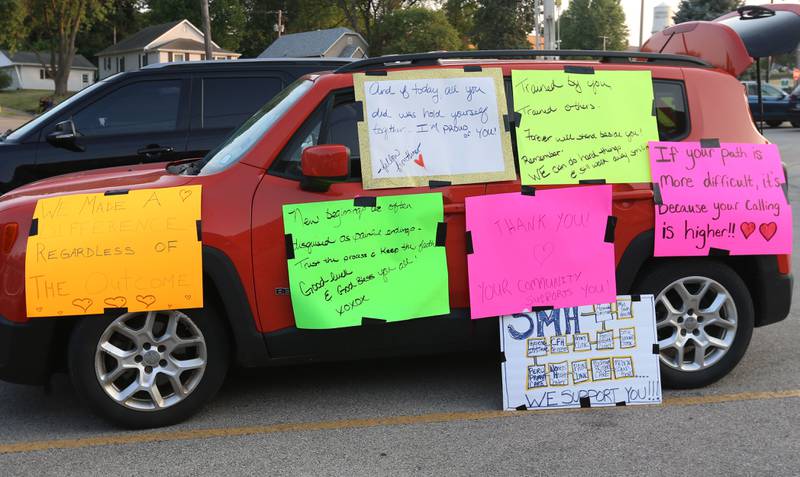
(13, 120)
(431, 416)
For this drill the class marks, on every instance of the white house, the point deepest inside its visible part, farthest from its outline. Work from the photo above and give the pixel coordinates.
(165, 43)
(26, 71)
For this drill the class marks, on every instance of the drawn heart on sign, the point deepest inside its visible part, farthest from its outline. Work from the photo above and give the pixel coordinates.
(188, 297)
(39, 308)
(116, 302)
(747, 229)
(82, 303)
(146, 300)
(768, 230)
(184, 194)
(420, 162)
(542, 252)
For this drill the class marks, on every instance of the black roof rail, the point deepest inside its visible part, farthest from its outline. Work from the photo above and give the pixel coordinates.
(432, 58)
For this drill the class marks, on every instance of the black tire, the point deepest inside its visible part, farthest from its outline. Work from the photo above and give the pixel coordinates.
(81, 359)
(774, 124)
(660, 275)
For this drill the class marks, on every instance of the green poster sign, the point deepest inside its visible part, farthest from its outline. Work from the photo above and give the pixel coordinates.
(578, 127)
(353, 261)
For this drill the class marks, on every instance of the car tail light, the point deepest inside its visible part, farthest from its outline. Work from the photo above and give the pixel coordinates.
(9, 236)
(784, 264)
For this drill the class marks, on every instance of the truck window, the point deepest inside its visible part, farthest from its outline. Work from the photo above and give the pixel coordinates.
(672, 115)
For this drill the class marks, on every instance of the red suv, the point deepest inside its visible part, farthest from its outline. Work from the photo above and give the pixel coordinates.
(276, 158)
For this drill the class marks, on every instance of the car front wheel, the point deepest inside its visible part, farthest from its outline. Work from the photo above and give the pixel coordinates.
(704, 319)
(148, 369)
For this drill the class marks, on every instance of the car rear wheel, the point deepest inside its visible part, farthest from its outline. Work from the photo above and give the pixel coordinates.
(148, 369)
(704, 319)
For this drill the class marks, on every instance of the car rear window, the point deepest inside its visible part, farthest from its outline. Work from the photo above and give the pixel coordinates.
(672, 114)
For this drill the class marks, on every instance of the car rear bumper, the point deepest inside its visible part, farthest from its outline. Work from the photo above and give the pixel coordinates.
(25, 350)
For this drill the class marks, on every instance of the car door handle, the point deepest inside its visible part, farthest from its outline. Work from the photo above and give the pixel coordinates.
(153, 150)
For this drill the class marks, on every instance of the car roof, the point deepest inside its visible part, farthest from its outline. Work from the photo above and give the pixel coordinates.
(247, 62)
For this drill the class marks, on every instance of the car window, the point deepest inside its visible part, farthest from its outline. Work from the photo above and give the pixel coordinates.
(146, 106)
(222, 109)
(672, 115)
(769, 90)
(751, 89)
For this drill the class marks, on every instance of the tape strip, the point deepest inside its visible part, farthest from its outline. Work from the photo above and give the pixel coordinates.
(376, 73)
(372, 321)
(657, 194)
(472, 68)
(656, 348)
(611, 226)
(289, 246)
(468, 243)
(512, 120)
(580, 70)
(359, 107)
(636, 297)
(585, 402)
(528, 190)
(34, 228)
(521, 407)
(365, 201)
(115, 192)
(621, 403)
(542, 308)
(115, 310)
(709, 143)
(199, 225)
(718, 252)
(441, 234)
(437, 184)
(592, 181)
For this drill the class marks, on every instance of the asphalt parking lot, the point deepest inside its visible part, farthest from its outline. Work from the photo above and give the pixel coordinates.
(437, 415)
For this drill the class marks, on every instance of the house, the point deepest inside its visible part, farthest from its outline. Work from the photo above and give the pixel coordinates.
(331, 43)
(27, 72)
(164, 43)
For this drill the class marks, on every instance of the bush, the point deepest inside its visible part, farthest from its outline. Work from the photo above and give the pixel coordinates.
(5, 80)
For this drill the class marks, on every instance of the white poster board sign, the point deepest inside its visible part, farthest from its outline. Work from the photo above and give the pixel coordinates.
(441, 125)
(601, 355)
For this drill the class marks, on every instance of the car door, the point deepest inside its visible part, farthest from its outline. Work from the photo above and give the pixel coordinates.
(334, 122)
(222, 102)
(138, 122)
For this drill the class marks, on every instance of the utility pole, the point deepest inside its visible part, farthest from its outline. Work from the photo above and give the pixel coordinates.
(604, 41)
(206, 29)
(549, 25)
(278, 27)
(641, 23)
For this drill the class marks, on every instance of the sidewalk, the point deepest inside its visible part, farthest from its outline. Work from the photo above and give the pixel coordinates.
(12, 119)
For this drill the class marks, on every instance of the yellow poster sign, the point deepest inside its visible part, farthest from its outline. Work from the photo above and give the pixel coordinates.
(138, 250)
(584, 127)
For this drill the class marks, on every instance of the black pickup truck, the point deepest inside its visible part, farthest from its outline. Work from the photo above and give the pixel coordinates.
(160, 113)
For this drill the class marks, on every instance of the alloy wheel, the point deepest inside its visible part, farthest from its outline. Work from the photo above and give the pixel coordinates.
(696, 323)
(149, 361)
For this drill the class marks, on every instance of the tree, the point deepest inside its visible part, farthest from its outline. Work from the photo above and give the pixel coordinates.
(123, 18)
(503, 24)
(461, 14)
(689, 10)
(366, 16)
(53, 26)
(12, 24)
(417, 29)
(588, 24)
(5, 80)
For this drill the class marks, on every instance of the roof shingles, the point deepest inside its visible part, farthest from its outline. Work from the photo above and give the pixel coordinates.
(30, 57)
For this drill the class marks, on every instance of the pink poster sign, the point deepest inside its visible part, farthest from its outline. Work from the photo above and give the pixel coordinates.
(728, 199)
(552, 249)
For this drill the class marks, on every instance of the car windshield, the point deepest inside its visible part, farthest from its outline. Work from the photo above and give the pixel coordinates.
(20, 132)
(248, 134)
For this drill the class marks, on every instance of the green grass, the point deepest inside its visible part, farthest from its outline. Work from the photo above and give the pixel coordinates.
(25, 99)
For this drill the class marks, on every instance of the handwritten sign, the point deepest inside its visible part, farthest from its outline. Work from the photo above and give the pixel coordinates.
(730, 198)
(138, 250)
(350, 262)
(603, 361)
(584, 126)
(542, 250)
(433, 125)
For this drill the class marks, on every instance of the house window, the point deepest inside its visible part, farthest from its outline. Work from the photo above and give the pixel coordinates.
(45, 74)
(85, 78)
(202, 56)
(122, 63)
(144, 59)
(178, 57)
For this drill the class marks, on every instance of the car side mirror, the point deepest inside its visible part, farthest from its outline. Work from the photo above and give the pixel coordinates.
(323, 163)
(65, 136)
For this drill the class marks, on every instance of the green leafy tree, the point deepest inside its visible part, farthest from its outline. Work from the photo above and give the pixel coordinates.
(366, 17)
(461, 14)
(417, 29)
(13, 28)
(5, 80)
(123, 18)
(587, 24)
(690, 10)
(503, 24)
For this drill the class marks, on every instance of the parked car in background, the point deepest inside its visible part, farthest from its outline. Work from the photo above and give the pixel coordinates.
(778, 105)
(163, 112)
(794, 104)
